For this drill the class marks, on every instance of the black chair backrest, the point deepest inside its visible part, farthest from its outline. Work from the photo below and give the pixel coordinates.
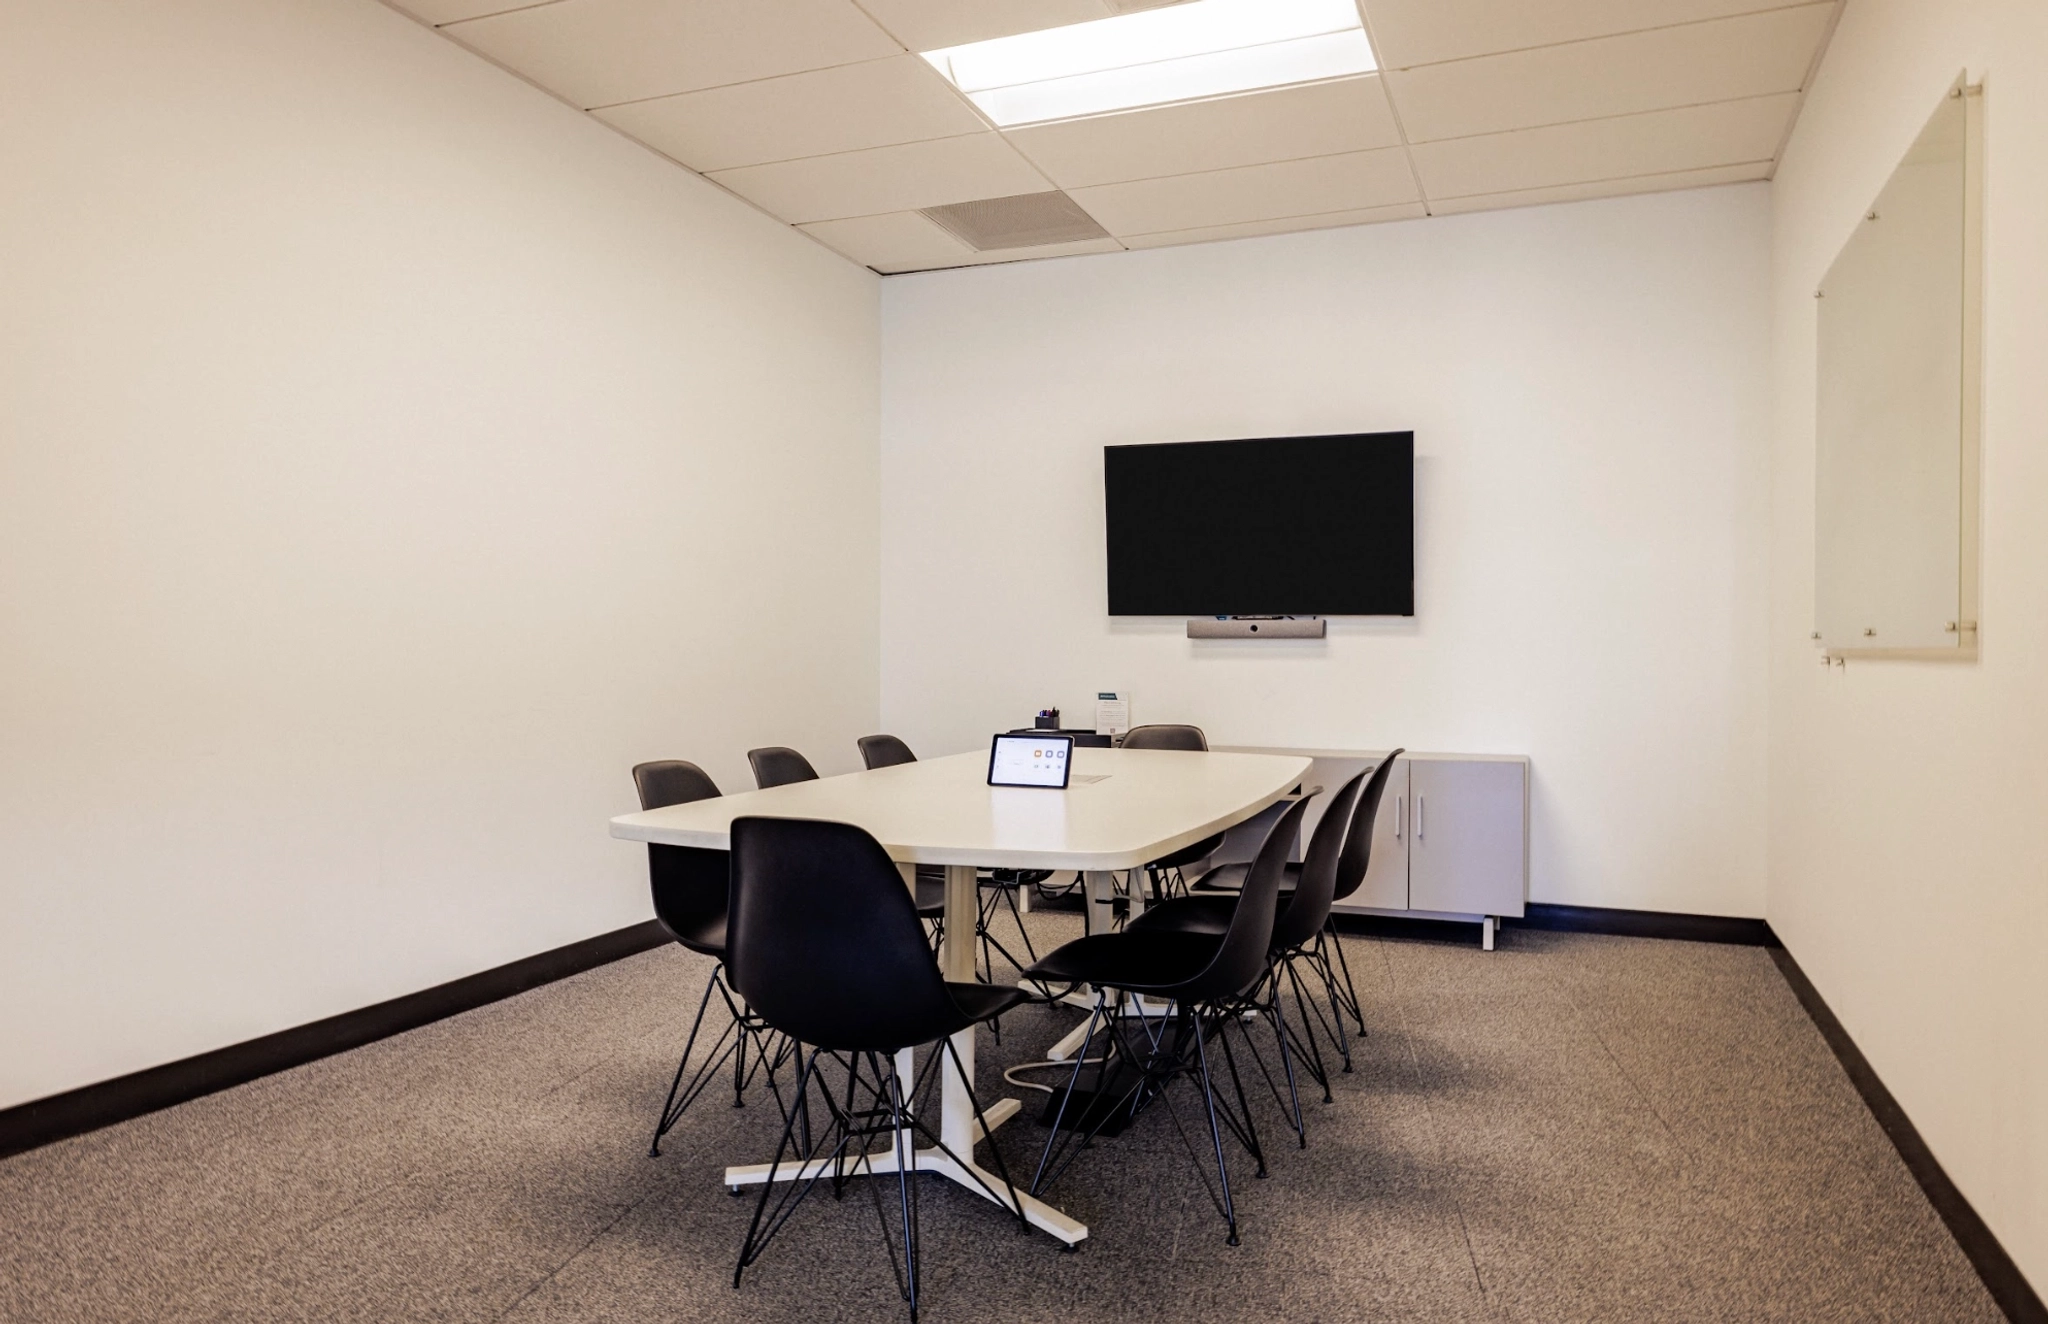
(779, 765)
(1358, 842)
(667, 782)
(689, 883)
(884, 752)
(824, 942)
(1241, 957)
(1303, 916)
(1163, 735)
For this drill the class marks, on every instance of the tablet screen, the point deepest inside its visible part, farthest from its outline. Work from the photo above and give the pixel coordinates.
(1031, 760)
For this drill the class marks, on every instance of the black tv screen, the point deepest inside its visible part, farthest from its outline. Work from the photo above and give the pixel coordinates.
(1281, 526)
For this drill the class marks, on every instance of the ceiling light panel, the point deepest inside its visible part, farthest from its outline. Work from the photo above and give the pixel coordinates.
(1155, 57)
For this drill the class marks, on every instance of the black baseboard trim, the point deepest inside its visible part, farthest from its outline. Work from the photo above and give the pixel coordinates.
(74, 1112)
(1646, 924)
(2007, 1285)
(1407, 928)
(1575, 919)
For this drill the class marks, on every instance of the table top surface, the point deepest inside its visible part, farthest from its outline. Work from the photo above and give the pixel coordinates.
(1147, 803)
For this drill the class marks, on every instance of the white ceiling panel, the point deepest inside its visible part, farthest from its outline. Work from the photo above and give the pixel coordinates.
(930, 25)
(1605, 188)
(898, 241)
(1321, 119)
(1411, 32)
(1406, 211)
(1078, 248)
(600, 52)
(1686, 66)
(1319, 184)
(1693, 138)
(438, 12)
(905, 177)
(823, 113)
(873, 104)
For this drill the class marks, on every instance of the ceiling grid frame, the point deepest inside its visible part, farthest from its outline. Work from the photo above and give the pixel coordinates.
(728, 127)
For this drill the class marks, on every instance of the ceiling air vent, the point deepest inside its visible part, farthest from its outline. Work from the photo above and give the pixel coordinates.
(1027, 220)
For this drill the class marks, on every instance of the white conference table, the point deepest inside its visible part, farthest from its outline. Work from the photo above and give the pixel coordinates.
(1125, 807)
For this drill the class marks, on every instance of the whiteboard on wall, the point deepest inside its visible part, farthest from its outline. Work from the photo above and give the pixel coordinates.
(1894, 527)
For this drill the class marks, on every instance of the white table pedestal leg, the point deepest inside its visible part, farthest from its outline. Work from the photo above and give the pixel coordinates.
(963, 905)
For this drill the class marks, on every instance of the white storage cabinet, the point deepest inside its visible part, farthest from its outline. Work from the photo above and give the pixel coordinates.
(1451, 840)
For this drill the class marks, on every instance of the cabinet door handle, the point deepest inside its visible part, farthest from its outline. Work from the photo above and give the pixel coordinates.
(1420, 802)
(1397, 819)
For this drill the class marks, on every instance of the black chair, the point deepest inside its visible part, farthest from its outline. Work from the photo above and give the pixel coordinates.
(1201, 975)
(778, 765)
(826, 948)
(1164, 873)
(1351, 871)
(883, 751)
(690, 887)
(928, 881)
(1297, 931)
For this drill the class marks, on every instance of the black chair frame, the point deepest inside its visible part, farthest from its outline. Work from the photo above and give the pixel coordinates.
(689, 891)
(772, 1050)
(1155, 1051)
(873, 1106)
(825, 946)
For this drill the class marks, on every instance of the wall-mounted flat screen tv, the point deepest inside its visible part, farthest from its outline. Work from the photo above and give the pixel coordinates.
(1279, 526)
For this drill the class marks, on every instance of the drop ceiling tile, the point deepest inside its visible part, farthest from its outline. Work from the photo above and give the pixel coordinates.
(600, 52)
(873, 104)
(897, 241)
(1606, 188)
(1405, 211)
(930, 25)
(1686, 66)
(1320, 119)
(1078, 248)
(1345, 182)
(1692, 138)
(438, 12)
(904, 177)
(1411, 32)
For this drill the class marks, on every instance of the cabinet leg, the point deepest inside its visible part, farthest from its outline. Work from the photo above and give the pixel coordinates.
(1486, 933)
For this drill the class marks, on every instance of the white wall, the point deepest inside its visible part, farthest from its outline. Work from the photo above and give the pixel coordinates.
(1588, 385)
(389, 458)
(1909, 843)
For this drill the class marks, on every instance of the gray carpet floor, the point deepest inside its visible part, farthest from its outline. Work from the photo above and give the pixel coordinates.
(1571, 1128)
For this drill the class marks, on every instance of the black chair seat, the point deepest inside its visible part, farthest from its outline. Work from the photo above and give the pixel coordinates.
(979, 1002)
(700, 933)
(1186, 855)
(1140, 961)
(930, 891)
(1187, 914)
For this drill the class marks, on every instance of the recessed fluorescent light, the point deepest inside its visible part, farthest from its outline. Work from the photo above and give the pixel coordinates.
(1203, 48)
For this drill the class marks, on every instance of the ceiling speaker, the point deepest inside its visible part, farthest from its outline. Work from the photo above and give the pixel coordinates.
(1027, 220)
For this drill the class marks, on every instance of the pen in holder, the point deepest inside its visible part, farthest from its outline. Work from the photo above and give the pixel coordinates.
(1048, 719)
